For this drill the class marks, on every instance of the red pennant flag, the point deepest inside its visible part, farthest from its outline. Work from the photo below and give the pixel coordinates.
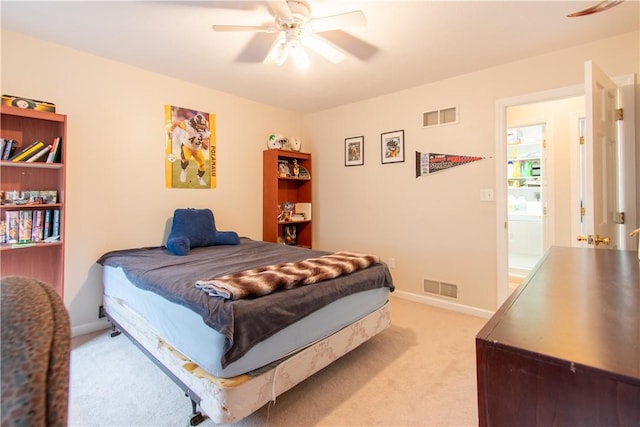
(428, 163)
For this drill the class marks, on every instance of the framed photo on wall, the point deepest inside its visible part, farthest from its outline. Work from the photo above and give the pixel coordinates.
(392, 146)
(354, 151)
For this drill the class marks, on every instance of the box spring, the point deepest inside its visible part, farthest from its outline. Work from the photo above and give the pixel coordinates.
(228, 400)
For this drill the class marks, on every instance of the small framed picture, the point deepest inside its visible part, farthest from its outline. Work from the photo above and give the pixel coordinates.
(354, 151)
(392, 146)
(283, 168)
(290, 232)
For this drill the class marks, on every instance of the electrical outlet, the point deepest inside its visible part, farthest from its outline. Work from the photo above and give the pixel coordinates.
(392, 262)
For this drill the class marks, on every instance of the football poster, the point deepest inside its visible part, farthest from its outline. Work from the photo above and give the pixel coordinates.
(190, 148)
(429, 163)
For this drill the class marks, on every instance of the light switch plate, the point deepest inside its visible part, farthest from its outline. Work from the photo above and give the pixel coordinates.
(486, 194)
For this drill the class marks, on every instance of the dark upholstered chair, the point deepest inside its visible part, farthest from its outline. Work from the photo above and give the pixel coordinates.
(35, 344)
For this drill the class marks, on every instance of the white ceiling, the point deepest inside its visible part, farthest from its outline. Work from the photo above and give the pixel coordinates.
(404, 44)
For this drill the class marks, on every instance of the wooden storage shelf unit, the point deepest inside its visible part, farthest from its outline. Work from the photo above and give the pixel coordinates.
(278, 189)
(41, 260)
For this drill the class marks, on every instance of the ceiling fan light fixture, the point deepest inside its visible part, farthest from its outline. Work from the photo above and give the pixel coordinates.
(297, 53)
(323, 48)
(278, 53)
(297, 32)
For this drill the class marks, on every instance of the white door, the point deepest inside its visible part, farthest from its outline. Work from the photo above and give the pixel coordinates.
(601, 200)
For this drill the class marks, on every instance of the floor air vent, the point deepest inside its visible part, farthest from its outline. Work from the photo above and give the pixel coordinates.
(440, 288)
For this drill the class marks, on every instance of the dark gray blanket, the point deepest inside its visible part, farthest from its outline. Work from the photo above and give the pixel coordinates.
(243, 322)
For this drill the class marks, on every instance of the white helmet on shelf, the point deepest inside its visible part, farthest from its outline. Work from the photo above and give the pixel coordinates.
(277, 141)
(295, 143)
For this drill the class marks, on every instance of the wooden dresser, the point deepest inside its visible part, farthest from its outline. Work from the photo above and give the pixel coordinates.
(564, 349)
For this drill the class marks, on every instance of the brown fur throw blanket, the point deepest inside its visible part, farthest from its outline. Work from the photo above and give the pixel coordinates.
(265, 280)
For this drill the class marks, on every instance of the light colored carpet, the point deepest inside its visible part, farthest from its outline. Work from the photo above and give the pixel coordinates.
(419, 372)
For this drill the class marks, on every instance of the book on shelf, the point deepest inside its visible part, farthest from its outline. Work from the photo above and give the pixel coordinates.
(40, 154)
(46, 227)
(30, 226)
(25, 226)
(55, 223)
(3, 143)
(9, 148)
(12, 219)
(37, 232)
(27, 151)
(55, 149)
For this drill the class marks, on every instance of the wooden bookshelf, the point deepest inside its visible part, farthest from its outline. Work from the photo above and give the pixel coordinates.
(37, 259)
(278, 189)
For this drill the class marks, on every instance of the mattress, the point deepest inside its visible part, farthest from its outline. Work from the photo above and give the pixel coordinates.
(230, 400)
(245, 322)
(182, 328)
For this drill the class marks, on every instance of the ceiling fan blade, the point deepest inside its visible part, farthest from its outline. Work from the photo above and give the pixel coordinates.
(338, 22)
(278, 52)
(256, 49)
(350, 44)
(600, 7)
(323, 48)
(258, 29)
(280, 9)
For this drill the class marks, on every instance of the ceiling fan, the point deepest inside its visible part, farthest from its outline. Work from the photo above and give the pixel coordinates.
(296, 30)
(600, 7)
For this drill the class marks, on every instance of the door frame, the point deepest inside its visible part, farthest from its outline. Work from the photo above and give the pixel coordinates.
(627, 86)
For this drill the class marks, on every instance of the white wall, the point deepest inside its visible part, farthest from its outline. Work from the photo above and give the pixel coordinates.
(435, 227)
(116, 195)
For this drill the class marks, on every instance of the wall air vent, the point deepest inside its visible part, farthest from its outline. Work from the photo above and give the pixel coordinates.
(440, 288)
(448, 290)
(431, 286)
(444, 116)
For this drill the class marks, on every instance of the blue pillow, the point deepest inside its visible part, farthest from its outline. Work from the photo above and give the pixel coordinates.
(227, 238)
(178, 245)
(192, 228)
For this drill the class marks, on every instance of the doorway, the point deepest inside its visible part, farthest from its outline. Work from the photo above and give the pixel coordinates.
(541, 181)
(527, 176)
(566, 182)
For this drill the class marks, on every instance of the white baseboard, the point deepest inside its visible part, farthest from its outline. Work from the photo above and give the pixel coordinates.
(88, 328)
(449, 305)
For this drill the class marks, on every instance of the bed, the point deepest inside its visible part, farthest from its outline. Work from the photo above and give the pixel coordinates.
(234, 354)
